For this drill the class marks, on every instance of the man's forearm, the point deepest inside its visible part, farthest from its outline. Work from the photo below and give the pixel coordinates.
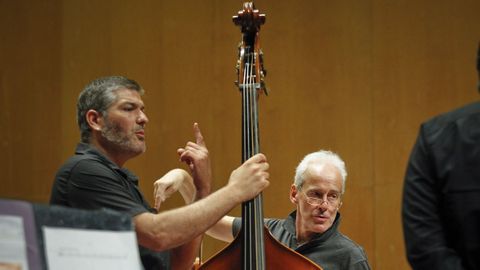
(183, 257)
(172, 228)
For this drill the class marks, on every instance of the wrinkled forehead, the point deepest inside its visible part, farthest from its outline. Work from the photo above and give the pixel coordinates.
(322, 176)
(125, 95)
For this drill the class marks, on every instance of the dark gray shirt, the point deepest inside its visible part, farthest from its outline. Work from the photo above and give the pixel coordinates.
(331, 249)
(89, 180)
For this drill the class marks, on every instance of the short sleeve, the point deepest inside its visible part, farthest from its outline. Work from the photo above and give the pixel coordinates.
(92, 185)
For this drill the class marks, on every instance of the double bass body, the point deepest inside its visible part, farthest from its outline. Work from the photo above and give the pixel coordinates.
(277, 256)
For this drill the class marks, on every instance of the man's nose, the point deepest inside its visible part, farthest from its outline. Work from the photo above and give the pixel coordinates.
(142, 118)
(323, 205)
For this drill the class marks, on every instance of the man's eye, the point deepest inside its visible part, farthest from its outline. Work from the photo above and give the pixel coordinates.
(333, 195)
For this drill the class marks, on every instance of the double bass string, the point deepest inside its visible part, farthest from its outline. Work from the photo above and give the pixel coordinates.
(258, 219)
(253, 237)
(247, 248)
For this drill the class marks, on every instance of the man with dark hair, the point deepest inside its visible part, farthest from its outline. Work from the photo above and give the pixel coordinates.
(111, 117)
(441, 196)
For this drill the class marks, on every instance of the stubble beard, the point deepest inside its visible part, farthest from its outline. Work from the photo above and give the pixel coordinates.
(123, 141)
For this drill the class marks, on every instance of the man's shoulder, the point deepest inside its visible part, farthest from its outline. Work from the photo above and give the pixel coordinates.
(280, 226)
(273, 222)
(349, 246)
(275, 226)
(83, 162)
(458, 114)
(444, 127)
(337, 252)
(82, 168)
(347, 241)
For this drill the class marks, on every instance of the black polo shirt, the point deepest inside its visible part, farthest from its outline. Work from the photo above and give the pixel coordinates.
(89, 180)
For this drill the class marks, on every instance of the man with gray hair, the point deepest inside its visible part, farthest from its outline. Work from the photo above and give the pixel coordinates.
(312, 229)
(112, 121)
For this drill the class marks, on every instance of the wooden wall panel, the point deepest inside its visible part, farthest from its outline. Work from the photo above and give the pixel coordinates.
(356, 77)
(30, 76)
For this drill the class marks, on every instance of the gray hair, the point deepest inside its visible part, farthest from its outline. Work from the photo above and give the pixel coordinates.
(98, 95)
(322, 157)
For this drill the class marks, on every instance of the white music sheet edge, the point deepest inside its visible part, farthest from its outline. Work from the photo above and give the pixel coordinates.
(13, 247)
(70, 248)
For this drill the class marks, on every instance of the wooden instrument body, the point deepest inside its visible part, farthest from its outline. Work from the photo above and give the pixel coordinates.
(278, 256)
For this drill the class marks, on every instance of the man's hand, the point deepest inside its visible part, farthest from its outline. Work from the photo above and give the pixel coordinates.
(250, 178)
(195, 155)
(176, 179)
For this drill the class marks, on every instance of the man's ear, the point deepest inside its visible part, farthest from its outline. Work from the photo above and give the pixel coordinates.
(94, 120)
(339, 205)
(293, 194)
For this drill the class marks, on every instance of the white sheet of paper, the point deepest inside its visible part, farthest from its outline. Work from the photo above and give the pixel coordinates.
(13, 248)
(79, 249)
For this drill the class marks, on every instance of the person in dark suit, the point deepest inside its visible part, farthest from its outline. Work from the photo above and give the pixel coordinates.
(441, 195)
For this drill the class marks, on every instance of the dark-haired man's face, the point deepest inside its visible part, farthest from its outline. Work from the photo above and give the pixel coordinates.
(125, 122)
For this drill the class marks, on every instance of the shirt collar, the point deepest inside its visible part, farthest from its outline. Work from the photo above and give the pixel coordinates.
(88, 149)
(289, 225)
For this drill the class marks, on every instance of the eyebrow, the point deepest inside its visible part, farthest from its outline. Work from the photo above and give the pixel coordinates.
(323, 191)
(133, 103)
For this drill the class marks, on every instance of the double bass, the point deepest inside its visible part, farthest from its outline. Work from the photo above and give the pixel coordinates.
(254, 248)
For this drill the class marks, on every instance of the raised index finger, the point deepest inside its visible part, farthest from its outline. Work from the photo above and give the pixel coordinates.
(198, 135)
